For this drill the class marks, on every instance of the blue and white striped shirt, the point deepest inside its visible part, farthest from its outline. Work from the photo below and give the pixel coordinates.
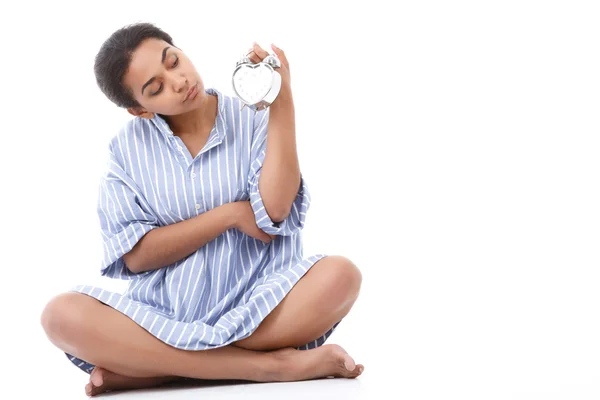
(220, 293)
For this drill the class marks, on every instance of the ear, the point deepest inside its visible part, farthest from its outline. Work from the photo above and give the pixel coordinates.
(140, 112)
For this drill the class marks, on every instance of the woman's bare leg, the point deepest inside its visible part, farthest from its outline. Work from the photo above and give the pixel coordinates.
(332, 285)
(82, 326)
(316, 303)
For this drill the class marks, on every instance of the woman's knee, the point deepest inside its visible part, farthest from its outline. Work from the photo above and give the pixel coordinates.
(343, 279)
(62, 316)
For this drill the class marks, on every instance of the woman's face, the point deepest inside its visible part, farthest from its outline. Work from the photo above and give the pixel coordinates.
(160, 77)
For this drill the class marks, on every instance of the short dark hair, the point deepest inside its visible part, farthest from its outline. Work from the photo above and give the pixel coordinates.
(112, 61)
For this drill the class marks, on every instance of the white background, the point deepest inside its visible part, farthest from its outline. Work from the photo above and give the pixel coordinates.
(451, 149)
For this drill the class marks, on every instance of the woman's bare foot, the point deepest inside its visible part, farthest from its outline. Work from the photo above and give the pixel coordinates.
(102, 381)
(323, 362)
(290, 365)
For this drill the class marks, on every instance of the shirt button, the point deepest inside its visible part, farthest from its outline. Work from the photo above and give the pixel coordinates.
(197, 206)
(193, 175)
(179, 148)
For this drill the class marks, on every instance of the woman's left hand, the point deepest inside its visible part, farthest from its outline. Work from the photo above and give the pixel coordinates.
(257, 54)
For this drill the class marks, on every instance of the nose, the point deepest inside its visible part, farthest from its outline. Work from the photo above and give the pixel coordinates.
(179, 83)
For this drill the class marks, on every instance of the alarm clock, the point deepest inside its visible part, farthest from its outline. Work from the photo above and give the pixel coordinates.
(257, 85)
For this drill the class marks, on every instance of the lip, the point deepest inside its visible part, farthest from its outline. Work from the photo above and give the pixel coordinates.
(191, 93)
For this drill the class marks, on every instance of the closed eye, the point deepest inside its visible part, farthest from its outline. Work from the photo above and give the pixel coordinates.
(158, 91)
(160, 88)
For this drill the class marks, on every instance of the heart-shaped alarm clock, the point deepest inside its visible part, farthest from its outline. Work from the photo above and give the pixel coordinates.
(257, 85)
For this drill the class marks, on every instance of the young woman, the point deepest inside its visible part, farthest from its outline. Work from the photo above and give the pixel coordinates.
(201, 209)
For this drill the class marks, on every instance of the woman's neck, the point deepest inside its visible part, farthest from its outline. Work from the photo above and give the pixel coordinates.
(197, 121)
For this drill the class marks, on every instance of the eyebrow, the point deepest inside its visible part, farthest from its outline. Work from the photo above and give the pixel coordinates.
(162, 61)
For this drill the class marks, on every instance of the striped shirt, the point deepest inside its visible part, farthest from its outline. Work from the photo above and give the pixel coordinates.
(220, 293)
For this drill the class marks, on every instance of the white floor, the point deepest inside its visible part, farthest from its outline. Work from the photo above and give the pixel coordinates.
(367, 387)
(321, 389)
(406, 371)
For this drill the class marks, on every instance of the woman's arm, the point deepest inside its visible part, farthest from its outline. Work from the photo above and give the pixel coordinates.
(280, 177)
(168, 244)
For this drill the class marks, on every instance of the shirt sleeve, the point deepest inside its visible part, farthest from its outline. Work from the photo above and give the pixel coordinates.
(296, 220)
(125, 217)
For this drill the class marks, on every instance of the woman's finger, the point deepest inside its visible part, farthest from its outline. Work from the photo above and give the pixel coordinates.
(280, 54)
(266, 238)
(259, 51)
(252, 56)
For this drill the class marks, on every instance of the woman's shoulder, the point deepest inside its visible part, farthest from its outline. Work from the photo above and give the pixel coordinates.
(137, 127)
(131, 134)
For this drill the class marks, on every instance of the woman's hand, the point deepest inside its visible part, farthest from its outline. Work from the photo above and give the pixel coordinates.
(257, 54)
(245, 221)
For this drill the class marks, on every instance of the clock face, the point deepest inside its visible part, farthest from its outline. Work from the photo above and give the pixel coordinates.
(252, 82)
